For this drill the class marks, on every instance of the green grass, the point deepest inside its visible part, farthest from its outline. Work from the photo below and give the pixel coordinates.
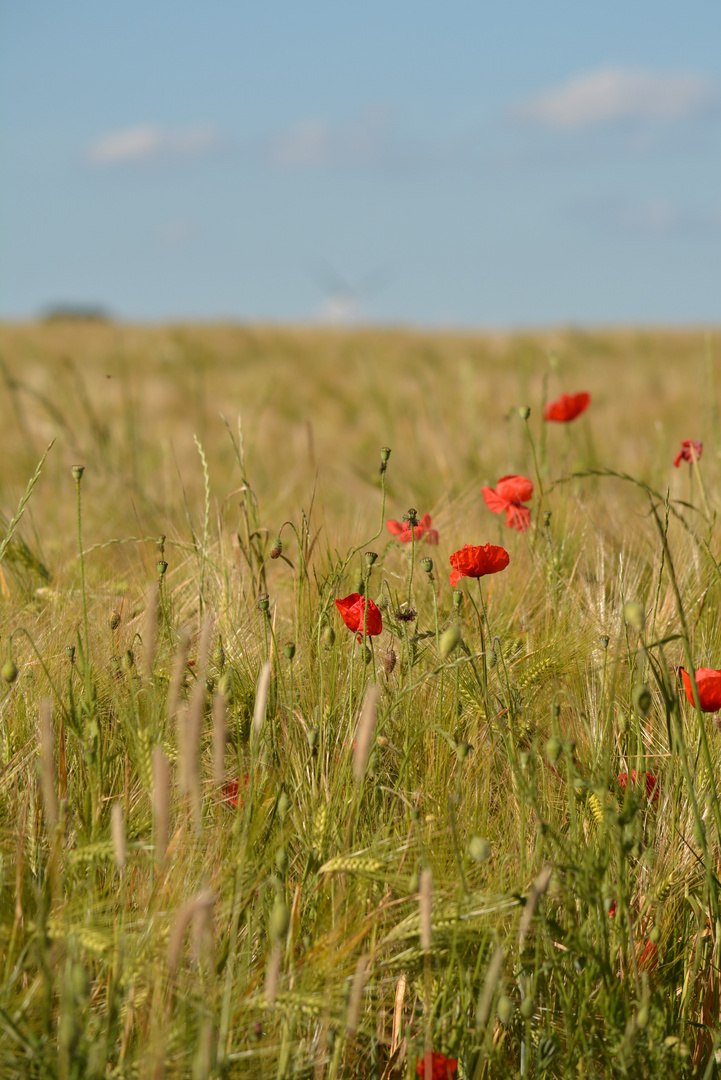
(479, 882)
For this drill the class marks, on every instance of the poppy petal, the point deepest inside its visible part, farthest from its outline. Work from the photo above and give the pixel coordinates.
(395, 527)
(515, 488)
(518, 517)
(495, 502)
(708, 681)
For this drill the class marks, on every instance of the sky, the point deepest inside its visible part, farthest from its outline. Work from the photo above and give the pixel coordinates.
(456, 164)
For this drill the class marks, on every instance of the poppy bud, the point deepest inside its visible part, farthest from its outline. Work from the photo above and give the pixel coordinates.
(655, 936)
(289, 650)
(427, 564)
(328, 636)
(546, 518)
(479, 849)
(604, 641)
(385, 454)
(642, 699)
(161, 566)
(128, 659)
(281, 860)
(622, 723)
(642, 1017)
(524, 412)
(370, 557)
(457, 599)
(505, 1010)
(312, 738)
(389, 661)
(382, 602)
(263, 602)
(279, 920)
(283, 805)
(225, 685)
(553, 749)
(78, 471)
(70, 652)
(634, 615)
(527, 1006)
(277, 549)
(492, 658)
(462, 749)
(450, 640)
(114, 620)
(9, 671)
(219, 655)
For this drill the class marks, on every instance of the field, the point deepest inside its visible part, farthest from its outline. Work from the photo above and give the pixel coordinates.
(235, 841)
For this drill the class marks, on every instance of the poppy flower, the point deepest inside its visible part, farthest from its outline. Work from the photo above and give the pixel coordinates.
(402, 530)
(690, 451)
(478, 561)
(442, 1067)
(231, 789)
(509, 494)
(612, 909)
(648, 958)
(352, 608)
(567, 407)
(708, 682)
(653, 788)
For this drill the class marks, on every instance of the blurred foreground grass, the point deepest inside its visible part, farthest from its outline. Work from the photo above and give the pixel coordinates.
(192, 885)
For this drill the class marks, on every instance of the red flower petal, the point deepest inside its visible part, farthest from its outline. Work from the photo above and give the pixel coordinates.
(472, 561)
(518, 517)
(708, 681)
(653, 787)
(567, 407)
(442, 1067)
(495, 502)
(352, 608)
(395, 527)
(690, 451)
(518, 489)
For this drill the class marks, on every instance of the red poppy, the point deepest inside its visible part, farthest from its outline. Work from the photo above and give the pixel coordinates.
(567, 407)
(352, 608)
(648, 959)
(612, 909)
(442, 1067)
(708, 682)
(402, 530)
(653, 788)
(690, 451)
(509, 494)
(231, 789)
(473, 561)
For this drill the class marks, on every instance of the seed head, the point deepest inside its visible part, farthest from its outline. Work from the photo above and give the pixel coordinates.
(457, 599)
(9, 671)
(411, 517)
(427, 564)
(524, 412)
(219, 655)
(389, 661)
(546, 518)
(289, 650)
(505, 1010)
(78, 471)
(128, 659)
(277, 549)
(370, 557)
(329, 637)
(263, 601)
(450, 640)
(161, 566)
(114, 620)
(385, 454)
(406, 614)
(553, 749)
(527, 1006)
(70, 652)
(312, 738)
(604, 641)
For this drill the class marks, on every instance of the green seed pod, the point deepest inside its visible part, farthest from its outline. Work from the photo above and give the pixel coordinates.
(161, 566)
(634, 615)
(370, 557)
(128, 659)
(527, 1006)
(279, 920)
(450, 640)
(263, 602)
(219, 655)
(605, 639)
(70, 652)
(385, 454)
(655, 936)
(642, 1017)
(524, 412)
(114, 620)
(225, 685)
(277, 549)
(553, 749)
(78, 471)
(283, 805)
(427, 564)
(329, 637)
(479, 849)
(289, 650)
(312, 738)
(505, 1010)
(9, 671)
(462, 749)
(457, 599)
(414, 882)
(281, 860)
(642, 700)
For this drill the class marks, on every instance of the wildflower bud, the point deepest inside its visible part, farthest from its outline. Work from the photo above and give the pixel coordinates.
(279, 920)
(427, 564)
(553, 749)
(128, 659)
(114, 620)
(642, 700)
(457, 599)
(263, 602)
(283, 805)
(281, 860)
(382, 603)
(412, 517)
(219, 655)
(70, 653)
(370, 557)
(622, 723)
(505, 1010)
(655, 936)
(479, 849)
(604, 641)
(414, 882)
(277, 549)
(161, 566)
(642, 1017)
(450, 640)
(9, 671)
(225, 685)
(328, 637)
(312, 738)
(634, 615)
(492, 658)
(527, 1007)
(546, 518)
(524, 412)
(389, 661)
(161, 543)
(368, 655)
(385, 454)
(289, 650)
(359, 586)
(78, 471)
(462, 749)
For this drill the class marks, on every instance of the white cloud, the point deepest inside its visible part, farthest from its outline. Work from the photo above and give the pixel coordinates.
(148, 143)
(616, 94)
(362, 141)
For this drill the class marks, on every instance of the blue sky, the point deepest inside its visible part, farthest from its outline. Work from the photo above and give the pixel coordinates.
(467, 164)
